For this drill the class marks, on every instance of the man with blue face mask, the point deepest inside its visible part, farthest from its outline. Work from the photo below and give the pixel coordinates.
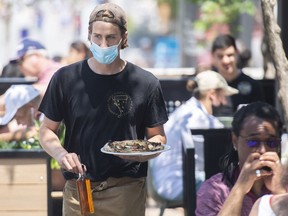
(101, 99)
(104, 55)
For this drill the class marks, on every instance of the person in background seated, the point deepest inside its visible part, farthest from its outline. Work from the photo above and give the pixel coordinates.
(273, 205)
(209, 89)
(78, 51)
(21, 104)
(224, 61)
(251, 168)
(34, 61)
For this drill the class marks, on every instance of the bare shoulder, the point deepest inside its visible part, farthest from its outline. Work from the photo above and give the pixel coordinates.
(279, 204)
(254, 210)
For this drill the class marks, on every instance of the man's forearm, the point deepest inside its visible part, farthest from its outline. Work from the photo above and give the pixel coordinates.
(51, 143)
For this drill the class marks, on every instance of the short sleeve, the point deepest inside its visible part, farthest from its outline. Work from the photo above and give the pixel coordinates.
(52, 102)
(156, 110)
(211, 196)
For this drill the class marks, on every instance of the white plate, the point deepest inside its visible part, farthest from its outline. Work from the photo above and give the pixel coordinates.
(166, 148)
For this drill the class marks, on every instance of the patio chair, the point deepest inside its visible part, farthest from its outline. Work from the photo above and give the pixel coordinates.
(162, 202)
(216, 142)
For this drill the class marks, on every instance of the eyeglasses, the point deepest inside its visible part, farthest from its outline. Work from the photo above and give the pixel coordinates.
(272, 143)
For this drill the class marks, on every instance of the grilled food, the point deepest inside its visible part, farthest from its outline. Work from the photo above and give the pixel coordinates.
(132, 146)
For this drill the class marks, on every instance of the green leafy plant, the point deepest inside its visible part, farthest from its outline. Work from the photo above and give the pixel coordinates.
(34, 143)
(222, 12)
(213, 12)
(31, 143)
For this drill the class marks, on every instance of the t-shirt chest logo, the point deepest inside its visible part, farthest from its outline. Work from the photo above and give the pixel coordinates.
(244, 88)
(120, 104)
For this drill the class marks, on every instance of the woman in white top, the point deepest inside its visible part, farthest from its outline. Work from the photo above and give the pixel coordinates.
(209, 89)
(273, 205)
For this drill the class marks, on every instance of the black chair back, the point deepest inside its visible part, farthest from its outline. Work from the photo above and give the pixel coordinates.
(174, 92)
(216, 144)
(189, 188)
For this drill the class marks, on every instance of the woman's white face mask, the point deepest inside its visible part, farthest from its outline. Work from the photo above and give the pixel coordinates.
(218, 98)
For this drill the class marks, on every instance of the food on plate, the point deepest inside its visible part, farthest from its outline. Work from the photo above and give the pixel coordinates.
(127, 146)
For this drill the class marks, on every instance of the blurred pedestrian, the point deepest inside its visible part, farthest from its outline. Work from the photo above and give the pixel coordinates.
(224, 60)
(34, 61)
(100, 99)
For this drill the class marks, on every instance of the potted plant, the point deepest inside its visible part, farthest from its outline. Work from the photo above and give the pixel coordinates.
(33, 143)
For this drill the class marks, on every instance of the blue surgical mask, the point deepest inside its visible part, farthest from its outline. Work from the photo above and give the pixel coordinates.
(104, 55)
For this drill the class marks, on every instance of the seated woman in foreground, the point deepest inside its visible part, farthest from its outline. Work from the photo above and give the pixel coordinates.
(272, 205)
(251, 169)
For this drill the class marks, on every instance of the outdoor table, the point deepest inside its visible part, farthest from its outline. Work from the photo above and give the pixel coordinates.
(6, 82)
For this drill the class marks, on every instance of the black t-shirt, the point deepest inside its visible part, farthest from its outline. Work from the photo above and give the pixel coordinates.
(98, 108)
(249, 91)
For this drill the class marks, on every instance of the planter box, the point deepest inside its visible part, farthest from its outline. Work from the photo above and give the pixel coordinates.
(25, 183)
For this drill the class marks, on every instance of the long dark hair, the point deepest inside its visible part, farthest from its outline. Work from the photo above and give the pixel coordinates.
(229, 162)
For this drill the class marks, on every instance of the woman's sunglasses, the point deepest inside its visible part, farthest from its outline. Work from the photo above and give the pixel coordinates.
(272, 143)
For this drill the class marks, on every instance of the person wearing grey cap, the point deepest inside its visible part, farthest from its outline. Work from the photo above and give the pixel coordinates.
(101, 99)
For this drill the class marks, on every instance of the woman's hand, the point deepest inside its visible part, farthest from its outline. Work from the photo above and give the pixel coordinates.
(243, 185)
(248, 176)
(257, 163)
(272, 179)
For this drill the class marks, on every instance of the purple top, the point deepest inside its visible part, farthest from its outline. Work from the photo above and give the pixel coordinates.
(212, 195)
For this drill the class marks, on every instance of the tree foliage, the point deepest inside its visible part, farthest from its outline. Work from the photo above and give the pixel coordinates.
(221, 12)
(217, 12)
